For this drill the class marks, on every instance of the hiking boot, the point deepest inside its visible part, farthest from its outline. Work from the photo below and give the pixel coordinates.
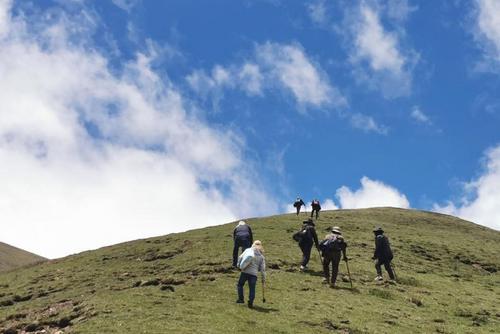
(250, 305)
(240, 301)
(325, 280)
(333, 285)
(379, 278)
(302, 268)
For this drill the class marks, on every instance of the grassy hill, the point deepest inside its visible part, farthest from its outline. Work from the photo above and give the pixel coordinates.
(12, 257)
(183, 283)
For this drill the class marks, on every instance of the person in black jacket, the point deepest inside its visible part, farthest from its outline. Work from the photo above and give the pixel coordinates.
(242, 237)
(383, 254)
(332, 247)
(316, 207)
(298, 204)
(309, 237)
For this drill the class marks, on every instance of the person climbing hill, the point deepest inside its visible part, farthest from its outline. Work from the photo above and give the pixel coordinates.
(306, 237)
(316, 207)
(298, 204)
(251, 262)
(331, 248)
(242, 237)
(382, 255)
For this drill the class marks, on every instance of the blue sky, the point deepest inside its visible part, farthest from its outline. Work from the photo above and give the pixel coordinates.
(148, 117)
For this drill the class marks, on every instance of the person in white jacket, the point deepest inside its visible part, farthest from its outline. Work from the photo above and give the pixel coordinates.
(253, 262)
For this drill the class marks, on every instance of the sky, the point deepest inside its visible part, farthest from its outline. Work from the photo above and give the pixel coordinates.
(125, 119)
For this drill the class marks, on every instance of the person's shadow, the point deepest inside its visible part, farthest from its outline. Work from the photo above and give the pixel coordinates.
(264, 309)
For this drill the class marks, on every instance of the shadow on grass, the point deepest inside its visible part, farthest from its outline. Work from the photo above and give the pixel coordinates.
(264, 309)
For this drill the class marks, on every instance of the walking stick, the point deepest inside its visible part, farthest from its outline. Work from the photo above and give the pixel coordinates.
(348, 272)
(263, 294)
(394, 271)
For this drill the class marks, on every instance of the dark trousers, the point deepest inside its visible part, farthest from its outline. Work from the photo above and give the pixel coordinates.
(317, 213)
(306, 253)
(298, 210)
(334, 259)
(244, 244)
(387, 266)
(252, 282)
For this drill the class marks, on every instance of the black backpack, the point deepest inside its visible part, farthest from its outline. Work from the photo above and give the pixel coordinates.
(303, 234)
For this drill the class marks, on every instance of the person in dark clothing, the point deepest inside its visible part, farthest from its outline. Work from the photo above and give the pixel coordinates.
(298, 204)
(309, 237)
(382, 255)
(316, 207)
(242, 237)
(331, 248)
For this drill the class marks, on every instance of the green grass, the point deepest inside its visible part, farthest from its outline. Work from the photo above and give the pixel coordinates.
(182, 283)
(12, 257)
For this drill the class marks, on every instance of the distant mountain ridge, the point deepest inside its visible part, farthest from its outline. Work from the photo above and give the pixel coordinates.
(12, 257)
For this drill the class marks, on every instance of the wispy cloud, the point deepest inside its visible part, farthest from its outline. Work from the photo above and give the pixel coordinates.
(274, 67)
(480, 197)
(367, 124)
(418, 115)
(377, 54)
(317, 11)
(94, 156)
(487, 33)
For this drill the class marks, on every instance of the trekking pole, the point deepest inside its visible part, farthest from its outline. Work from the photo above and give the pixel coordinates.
(263, 294)
(394, 271)
(348, 272)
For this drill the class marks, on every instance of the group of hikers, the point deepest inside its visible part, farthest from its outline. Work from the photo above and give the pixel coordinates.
(331, 249)
(315, 206)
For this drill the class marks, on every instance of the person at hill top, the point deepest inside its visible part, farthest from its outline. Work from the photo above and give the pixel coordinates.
(251, 262)
(242, 237)
(316, 207)
(298, 204)
(306, 237)
(383, 254)
(331, 248)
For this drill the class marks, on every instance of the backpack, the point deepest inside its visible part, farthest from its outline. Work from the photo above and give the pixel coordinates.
(302, 234)
(246, 258)
(331, 244)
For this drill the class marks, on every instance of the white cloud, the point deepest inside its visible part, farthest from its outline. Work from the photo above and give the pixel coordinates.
(367, 124)
(92, 156)
(5, 6)
(377, 53)
(372, 193)
(297, 73)
(317, 11)
(126, 5)
(418, 115)
(487, 31)
(481, 198)
(399, 10)
(329, 204)
(276, 66)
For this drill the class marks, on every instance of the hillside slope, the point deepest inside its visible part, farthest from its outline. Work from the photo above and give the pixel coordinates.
(12, 257)
(183, 283)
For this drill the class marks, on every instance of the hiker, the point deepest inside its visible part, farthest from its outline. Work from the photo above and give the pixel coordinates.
(251, 262)
(306, 237)
(382, 254)
(242, 237)
(298, 204)
(331, 248)
(315, 207)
